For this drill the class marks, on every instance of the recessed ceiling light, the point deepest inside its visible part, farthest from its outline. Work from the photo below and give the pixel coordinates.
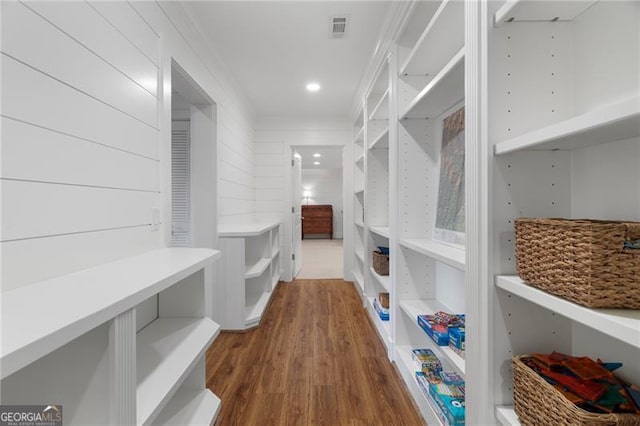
(316, 163)
(313, 87)
(316, 155)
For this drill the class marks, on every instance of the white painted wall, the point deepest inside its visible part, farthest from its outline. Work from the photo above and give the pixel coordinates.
(86, 132)
(326, 188)
(274, 138)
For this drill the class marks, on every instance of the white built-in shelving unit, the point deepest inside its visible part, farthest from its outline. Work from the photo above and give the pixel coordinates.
(249, 272)
(551, 92)
(359, 132)
(124, 376)
(377, 195)
(563, 133)
(430, 275)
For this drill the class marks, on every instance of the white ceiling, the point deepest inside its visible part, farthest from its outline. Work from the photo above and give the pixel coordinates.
(274, 48)
(331, 157)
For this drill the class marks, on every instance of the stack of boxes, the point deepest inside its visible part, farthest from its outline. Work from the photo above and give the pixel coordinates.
(444, 389)
(445, 329)
(381, 305)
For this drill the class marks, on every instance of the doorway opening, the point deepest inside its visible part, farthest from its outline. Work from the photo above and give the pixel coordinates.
(189, 169)
(193, 163)
(318, 188)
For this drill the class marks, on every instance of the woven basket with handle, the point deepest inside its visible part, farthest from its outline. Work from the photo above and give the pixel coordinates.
(537, 403)
(583, 261)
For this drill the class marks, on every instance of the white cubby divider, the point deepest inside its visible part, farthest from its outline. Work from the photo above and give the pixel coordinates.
(123, 376)
(249, 272)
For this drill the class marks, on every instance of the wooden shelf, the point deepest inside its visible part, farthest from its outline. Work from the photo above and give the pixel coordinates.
(506, 415)
(359, 224)
(360, 255)
(382, 141)
(246, 229)
(360, 160)
(622, 324)
(190, 407)
(528, 11)
(444, 91)
(167, 350)
(443, 36)
(381, 110)
(256, 305)
(256, 269)
(359, 191)
(612, 123)
(383, 231)
(382, 279)
(415, 307)
(444, 253)
(42, 317)
(407, 369)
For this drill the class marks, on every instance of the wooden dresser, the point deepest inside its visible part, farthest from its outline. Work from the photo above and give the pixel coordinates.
(317, 219)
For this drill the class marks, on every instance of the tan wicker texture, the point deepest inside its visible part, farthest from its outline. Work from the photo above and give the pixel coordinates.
(580, 260)
(537, 403)
(381, 263)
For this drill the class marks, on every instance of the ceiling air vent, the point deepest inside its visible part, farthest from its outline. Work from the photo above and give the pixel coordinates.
(338, 26)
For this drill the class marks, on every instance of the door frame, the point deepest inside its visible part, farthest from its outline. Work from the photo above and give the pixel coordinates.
(295, 236)
(203, 160)
(347, 204)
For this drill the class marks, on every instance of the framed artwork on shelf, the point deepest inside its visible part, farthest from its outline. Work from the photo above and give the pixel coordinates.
(450, 214)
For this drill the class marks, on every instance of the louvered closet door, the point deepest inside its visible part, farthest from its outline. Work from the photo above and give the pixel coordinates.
(180, 184)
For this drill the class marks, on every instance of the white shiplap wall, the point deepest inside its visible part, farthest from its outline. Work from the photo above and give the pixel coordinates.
(80, 157)
(85, 131)
(274, 139)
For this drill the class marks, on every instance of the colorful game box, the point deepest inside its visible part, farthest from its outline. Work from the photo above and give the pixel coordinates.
(426, 361)
(456, 340)
(438, 333)
(450, 402)
(382, 312)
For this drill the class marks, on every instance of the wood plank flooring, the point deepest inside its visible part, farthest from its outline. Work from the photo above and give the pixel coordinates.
(314, 360)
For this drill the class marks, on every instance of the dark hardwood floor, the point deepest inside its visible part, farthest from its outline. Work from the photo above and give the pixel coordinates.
(314, 360)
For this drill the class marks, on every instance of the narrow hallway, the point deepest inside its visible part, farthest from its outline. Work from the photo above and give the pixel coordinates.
(315, 359)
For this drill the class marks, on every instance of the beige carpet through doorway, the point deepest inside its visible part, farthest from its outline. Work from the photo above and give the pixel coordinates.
(321, 259)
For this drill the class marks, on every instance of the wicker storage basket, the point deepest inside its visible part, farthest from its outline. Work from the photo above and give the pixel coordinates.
(381, 263)
(580, 260)
(538, 403)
